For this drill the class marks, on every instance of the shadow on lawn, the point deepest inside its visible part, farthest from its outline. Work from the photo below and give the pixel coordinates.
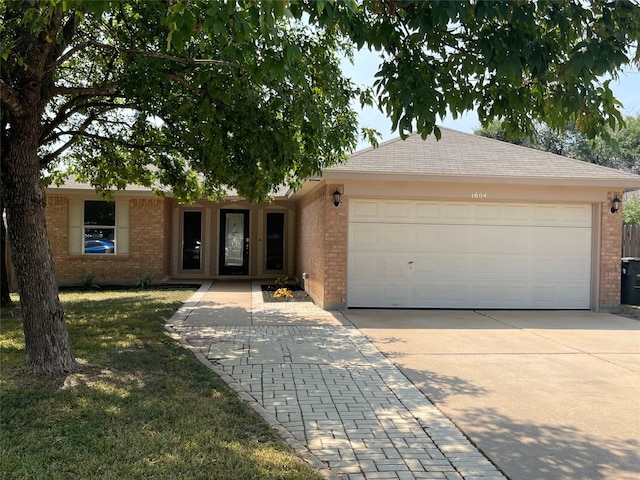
(142, 407)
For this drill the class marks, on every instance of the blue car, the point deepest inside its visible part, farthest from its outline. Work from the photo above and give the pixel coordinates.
(99, 246)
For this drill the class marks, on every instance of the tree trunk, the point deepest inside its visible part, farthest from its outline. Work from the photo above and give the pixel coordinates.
(48, 345)
(5, 298)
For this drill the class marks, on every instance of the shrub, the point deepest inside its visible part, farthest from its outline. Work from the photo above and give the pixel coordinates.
(631, 211)
(145, 280)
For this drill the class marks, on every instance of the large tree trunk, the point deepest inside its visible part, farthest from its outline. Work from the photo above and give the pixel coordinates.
(47, 339)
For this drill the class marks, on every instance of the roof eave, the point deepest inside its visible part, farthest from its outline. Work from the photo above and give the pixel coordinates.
(614, 183)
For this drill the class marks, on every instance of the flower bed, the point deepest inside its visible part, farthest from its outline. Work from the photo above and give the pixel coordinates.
(296, 292)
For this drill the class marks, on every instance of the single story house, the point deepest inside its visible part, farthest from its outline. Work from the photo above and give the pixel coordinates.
(464, 222)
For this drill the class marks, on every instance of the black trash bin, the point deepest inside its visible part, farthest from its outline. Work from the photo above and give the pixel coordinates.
(630, 294)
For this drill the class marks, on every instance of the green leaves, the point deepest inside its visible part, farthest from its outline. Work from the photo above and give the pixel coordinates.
(631, 211)
(612, 148)
(245, 94)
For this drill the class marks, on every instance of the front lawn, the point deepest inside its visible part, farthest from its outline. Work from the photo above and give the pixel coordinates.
(143, 407)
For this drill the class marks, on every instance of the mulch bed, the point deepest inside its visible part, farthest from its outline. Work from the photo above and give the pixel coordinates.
(298, 294)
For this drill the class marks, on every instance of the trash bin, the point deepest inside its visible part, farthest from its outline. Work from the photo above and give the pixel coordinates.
(630, 294)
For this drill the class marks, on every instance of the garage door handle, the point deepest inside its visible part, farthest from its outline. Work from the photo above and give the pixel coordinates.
(410, 263)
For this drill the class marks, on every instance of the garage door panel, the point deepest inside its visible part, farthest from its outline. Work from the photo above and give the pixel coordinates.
(365, 237)
(364, 265)
(424, 265)
(363, 210)
(396, 211)
(577, 215)
(490, 212)
(428, 211)
(466, 255)
(365, 294)
(368, 294)
(401, 238)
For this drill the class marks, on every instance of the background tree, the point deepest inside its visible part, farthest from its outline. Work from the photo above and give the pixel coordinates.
(616, 148)
(202, 96)
(631, 211)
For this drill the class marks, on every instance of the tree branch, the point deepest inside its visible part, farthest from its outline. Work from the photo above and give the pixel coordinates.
(181, 81)
(66, 56)
(106, 89)
(166, 56)
(10, 99)
(138, 146)
(81, 132)
(74, 137)
(68, 32)
(65, 113)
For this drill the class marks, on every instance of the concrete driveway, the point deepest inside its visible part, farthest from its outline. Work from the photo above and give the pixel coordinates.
(545, 395)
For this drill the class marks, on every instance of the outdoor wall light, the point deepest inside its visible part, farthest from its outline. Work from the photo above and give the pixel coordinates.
(615, 204)
(336, 198)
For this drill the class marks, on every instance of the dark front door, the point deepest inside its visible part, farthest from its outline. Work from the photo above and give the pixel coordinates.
(234, 242)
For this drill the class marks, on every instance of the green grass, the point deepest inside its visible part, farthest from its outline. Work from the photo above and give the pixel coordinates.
(142, 408)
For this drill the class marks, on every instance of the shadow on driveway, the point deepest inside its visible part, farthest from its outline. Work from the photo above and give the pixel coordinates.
(545, 395)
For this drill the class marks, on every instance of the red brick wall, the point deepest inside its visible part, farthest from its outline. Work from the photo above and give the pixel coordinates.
(57, 219)
(148, 246)
(322, 247)
(610, 251)
(310, 227)
(147, 233)
(335, 249)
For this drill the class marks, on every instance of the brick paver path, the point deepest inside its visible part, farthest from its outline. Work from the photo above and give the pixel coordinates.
(336, 394)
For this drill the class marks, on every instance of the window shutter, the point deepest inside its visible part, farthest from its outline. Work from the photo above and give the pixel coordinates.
(76, 220)
(122, 227)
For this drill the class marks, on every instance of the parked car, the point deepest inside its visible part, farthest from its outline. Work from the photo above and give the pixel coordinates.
(99, 246)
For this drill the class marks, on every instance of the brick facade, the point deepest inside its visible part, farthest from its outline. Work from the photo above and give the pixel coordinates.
(610, 251)
(321, 249)
(149, 241)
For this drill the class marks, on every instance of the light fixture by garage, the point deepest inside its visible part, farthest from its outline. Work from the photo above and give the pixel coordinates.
(615, 204)
(336, 198)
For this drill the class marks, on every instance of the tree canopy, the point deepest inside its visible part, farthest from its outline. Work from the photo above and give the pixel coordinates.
(631, 211)
(200, 96)
(249, 94)
(616, 149)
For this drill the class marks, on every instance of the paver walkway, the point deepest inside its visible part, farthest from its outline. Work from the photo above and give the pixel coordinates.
(332, 394)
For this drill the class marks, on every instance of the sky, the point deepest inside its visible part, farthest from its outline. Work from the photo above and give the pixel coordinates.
(626, 89)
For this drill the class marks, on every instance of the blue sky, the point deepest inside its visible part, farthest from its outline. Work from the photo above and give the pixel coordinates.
(626, 89)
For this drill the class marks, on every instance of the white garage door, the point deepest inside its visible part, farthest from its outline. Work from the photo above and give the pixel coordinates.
(416, 254)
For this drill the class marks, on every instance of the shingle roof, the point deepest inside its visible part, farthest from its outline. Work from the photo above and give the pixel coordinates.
(464, 155)
(71, 183)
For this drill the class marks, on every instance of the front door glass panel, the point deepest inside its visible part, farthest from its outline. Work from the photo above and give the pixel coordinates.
(234, 242)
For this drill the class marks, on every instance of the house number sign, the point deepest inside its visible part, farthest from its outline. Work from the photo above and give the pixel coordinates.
(477, 195)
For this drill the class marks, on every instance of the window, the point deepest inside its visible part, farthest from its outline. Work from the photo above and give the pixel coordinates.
(191, 240)
(275, 241)
(99, 227)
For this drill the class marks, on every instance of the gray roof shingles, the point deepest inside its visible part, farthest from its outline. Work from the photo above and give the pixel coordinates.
(458, 153)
